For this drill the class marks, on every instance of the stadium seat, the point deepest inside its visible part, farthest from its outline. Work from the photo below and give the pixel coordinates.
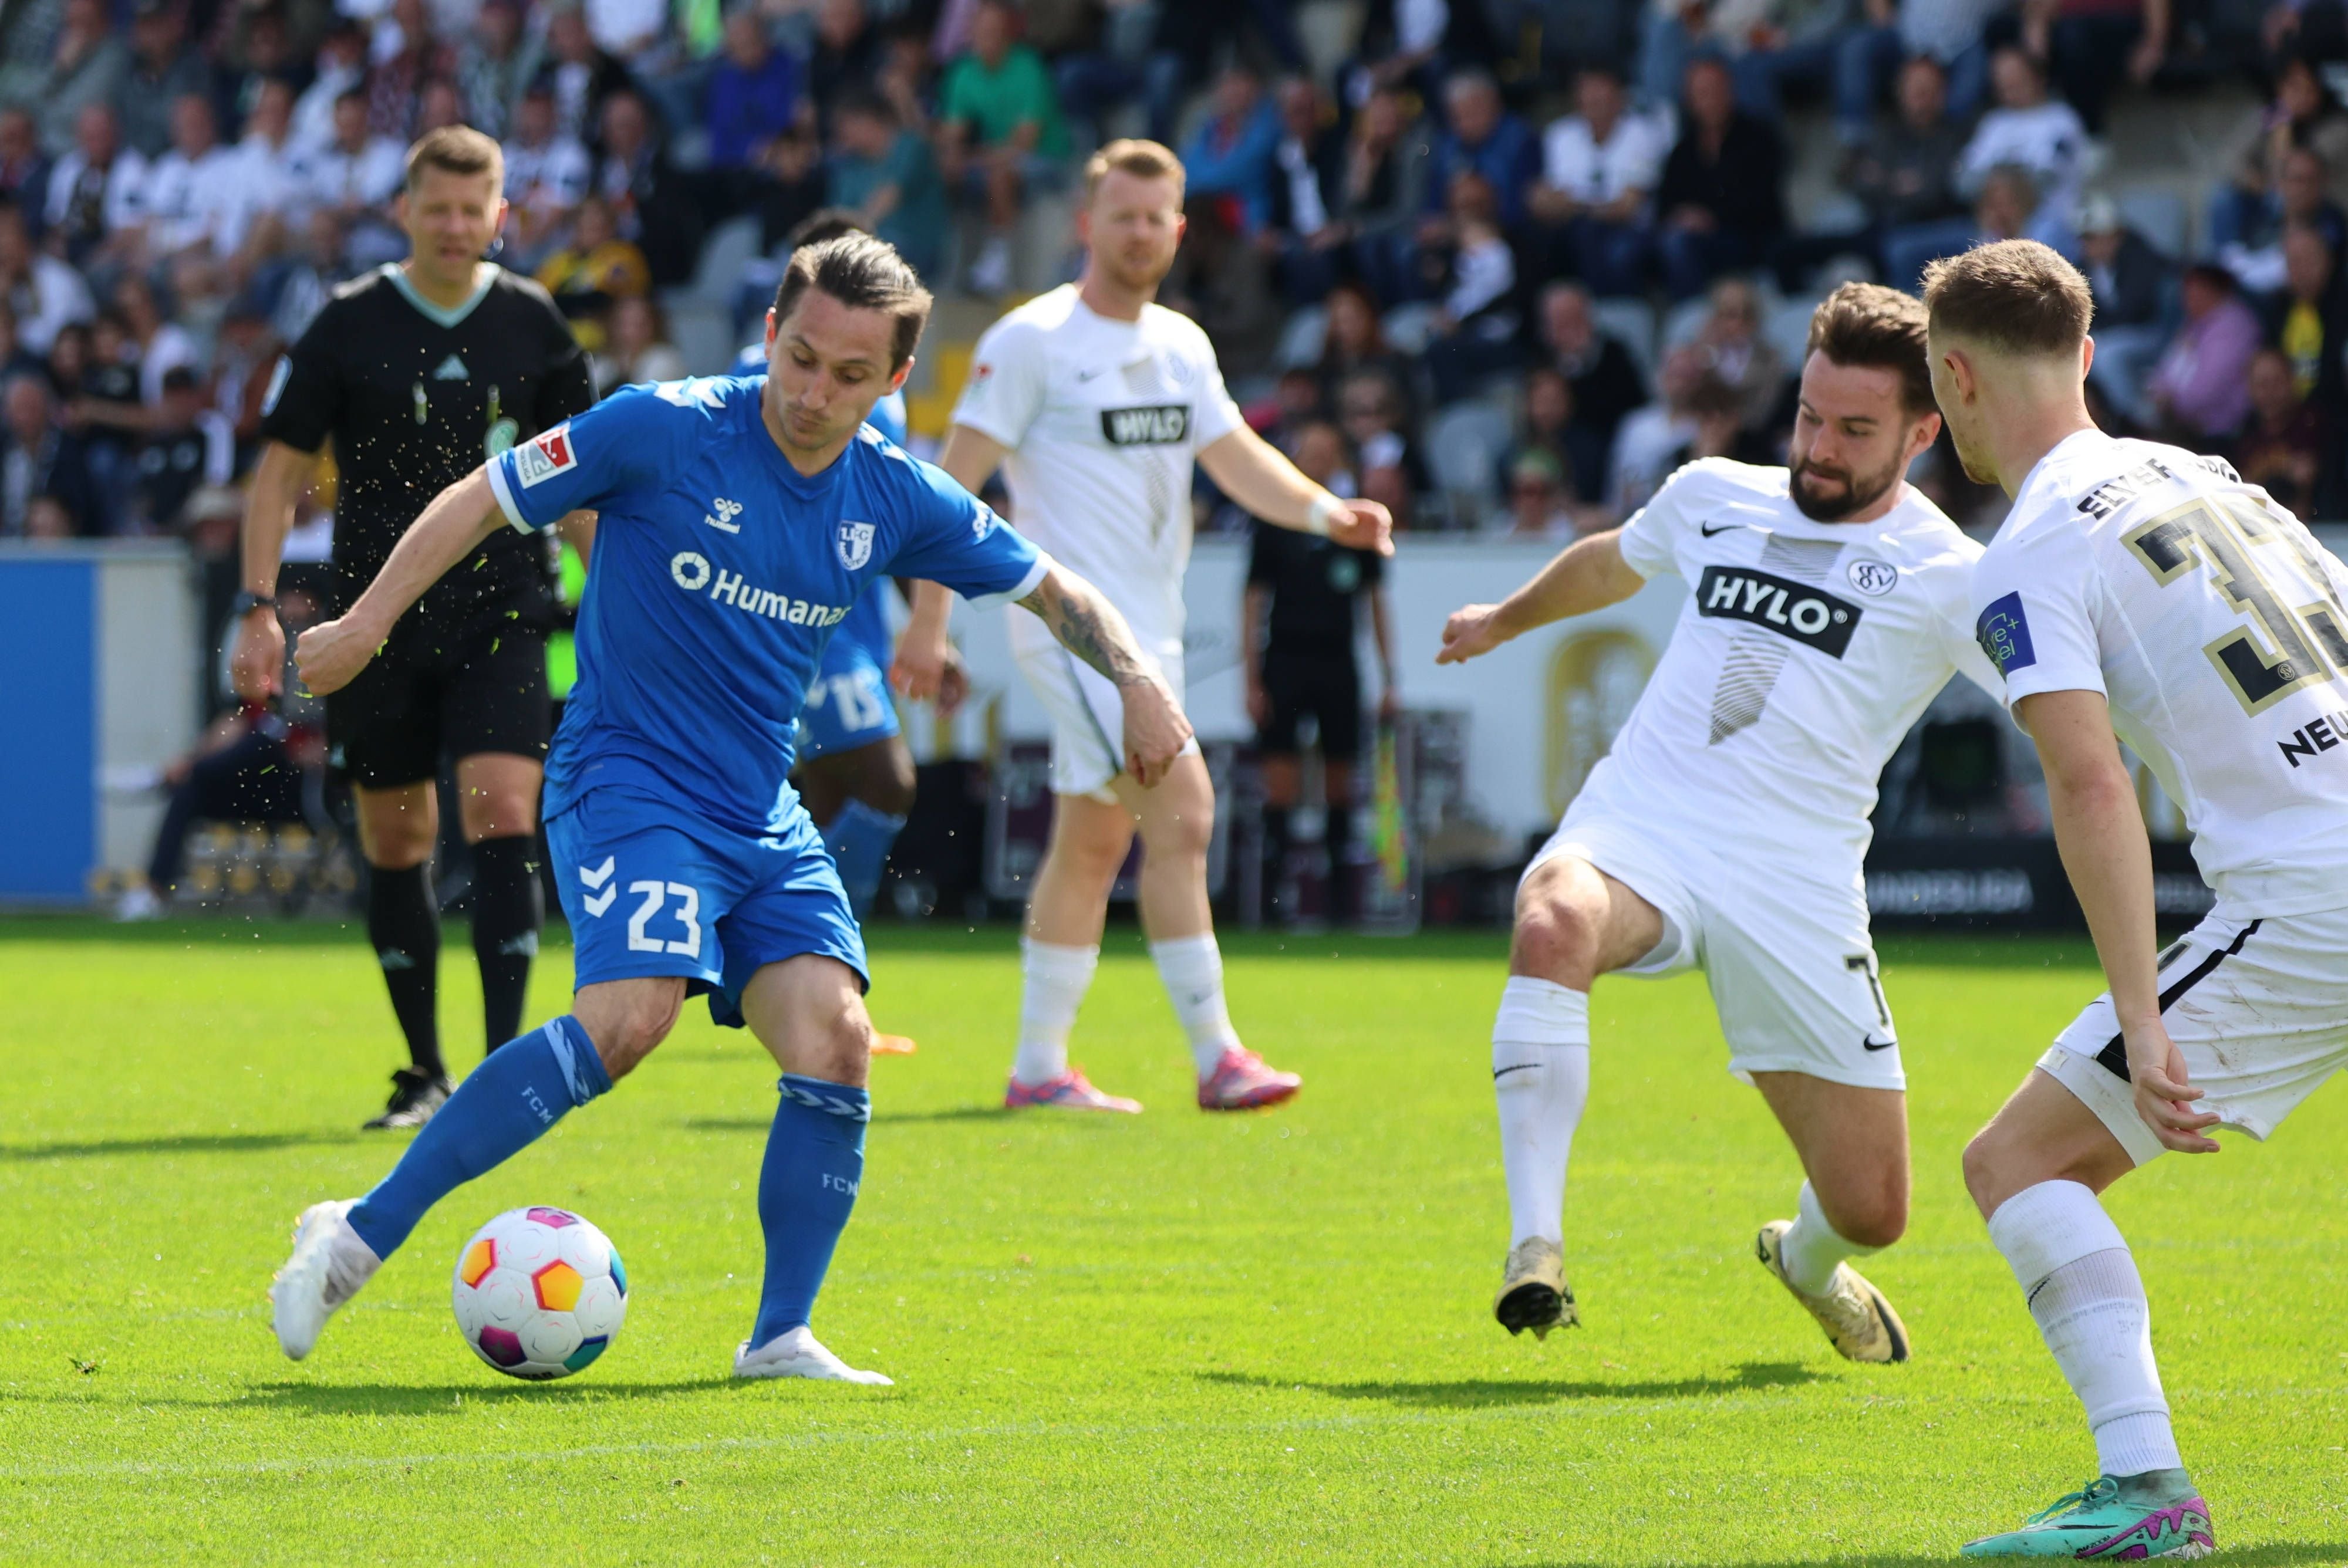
(1410, 327)
(1301, 340)
(1786, 328)
(719, 270)
(1634, 321)
(2158, 213)
(1466, 444)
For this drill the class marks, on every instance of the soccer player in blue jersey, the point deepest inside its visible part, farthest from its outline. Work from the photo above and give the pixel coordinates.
(739, 518)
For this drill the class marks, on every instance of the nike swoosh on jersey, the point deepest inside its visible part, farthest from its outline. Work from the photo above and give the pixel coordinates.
(1707, 530)
(1871, 1043)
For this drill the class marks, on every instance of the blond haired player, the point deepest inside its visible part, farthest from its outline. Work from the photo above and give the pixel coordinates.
(1724, 829)
(2138, 591)
(1095, 400)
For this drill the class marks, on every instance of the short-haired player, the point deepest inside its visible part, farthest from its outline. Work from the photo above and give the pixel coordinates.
(1097, 400)
(2139, 592)
(1725, 827)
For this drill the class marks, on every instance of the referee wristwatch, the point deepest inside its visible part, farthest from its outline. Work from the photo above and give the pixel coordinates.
(246, 601)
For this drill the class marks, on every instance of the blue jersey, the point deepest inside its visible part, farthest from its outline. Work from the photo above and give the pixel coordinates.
(865, 632)
(719, 573)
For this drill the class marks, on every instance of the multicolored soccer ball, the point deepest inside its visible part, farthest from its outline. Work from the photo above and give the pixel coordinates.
(539, 1293)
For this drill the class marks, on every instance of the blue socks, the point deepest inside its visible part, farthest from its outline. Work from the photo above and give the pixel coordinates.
(815, 1160)
(521, 1090)
(859, 840)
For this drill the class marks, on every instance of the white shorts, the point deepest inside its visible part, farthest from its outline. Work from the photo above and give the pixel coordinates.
(2258, 1007)
(1786, 953)
(1087, 714)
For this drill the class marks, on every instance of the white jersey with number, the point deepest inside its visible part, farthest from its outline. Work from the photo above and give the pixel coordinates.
(1803, 656)
(1101, 420)
(2211, 621)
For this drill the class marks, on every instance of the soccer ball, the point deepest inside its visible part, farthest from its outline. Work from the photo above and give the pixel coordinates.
(538, 1293)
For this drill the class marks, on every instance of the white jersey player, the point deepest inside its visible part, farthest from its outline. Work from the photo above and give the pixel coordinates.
(1096, 401)
(2139, 592)
(1726, 829)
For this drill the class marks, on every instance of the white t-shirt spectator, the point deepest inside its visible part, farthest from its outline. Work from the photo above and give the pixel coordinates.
(1483, 272)
(623, 27)
(1647, 447)
(367, 178)
(126, 180)
(2047, 139)
(314, 111)
(51, 296)
(196, 203)
(1594, 172)
(550, 178)
(171, 349)
(276, 178)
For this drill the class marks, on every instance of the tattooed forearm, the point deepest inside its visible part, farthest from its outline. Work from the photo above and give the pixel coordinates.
(1089, 627)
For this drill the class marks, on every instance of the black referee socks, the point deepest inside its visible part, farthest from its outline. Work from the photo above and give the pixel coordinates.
(508, 908)
(404, 929)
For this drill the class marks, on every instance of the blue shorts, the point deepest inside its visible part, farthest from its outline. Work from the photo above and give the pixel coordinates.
(650, 889)
(847, 702)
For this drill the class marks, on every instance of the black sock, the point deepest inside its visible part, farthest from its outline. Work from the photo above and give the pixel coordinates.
(403, 929)
(506, 916)
(1275, 861)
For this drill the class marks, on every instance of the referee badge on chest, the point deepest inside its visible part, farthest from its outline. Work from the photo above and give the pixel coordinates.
(855, 545)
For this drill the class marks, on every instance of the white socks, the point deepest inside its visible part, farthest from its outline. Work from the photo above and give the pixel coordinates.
(2074, 1267)
(1191, 968)
(1813, 1248)
(1054, 982)
(1540, 1077)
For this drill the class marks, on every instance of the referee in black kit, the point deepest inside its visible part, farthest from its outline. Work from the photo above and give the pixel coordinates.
(416, 375)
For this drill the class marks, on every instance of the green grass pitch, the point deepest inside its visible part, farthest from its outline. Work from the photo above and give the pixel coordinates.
(1174, 1338)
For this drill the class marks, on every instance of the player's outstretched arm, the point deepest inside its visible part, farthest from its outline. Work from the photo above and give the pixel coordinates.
(1588, 574)
(257, 661)
(332, 653)
(1089, 627)
(1259, 477)
(2099, 828)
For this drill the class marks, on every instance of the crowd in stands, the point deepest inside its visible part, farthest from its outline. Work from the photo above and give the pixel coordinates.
(1515, 259)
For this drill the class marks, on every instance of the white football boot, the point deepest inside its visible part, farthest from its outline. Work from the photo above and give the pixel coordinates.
(328, 1266)
(1859, 1322)
(797, 1354)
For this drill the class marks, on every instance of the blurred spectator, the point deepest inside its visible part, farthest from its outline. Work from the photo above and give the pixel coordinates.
(2029, 130)
(163, 70)
(1602, 377)
(627, 30)
(2132, 284)
(97, 392)
(258, 53)
(2199, 390)
(23, 167)
(651, 203)
(1413, 45)
(791, 184)
(95, 189)
(593, 269)
(1370, 409)
(355, 178)
(1193, 32)
(157, 344)
(1734, 351)
(1649, 441)
(1539, 498)
(39, 457)
(275, 172)
(192, 444)
(87, 64)
(1599, 167)
(1474, 279)
(1231, 153)
(243, 361)
(846, 55)
(636, 347)
(1389, 160)
(405, 56)
(42, 290)
(580, 75)
(1545, 421)
(2309, 321)
(194, 198)
(495, 65)
(1945, 34)
(2302, 114)
(2008, 208)
(546, 174)
(999, 129)
(2284, 443)
(1722, 201)
(2302, 197)
(1904, 174)
(1355, 342)
(341, 68)
(754, 94)
(2091, 43)
(1483, 136)
(1295, 402)
(1303, 227)
(305, 281)
(49, 517)
(439, 105)
(15, 359)
(887, 175)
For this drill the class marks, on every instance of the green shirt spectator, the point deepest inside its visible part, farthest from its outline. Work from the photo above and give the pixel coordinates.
(994, 100)
(888, 176)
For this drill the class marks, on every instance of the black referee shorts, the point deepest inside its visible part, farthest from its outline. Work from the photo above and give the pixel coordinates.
(1328, 689)
(438, 692)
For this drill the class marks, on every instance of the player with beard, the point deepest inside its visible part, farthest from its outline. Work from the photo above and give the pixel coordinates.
(1725, 828)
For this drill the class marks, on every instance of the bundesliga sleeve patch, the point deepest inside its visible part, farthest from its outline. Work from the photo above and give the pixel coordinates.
(2003, 633)
(544, 456)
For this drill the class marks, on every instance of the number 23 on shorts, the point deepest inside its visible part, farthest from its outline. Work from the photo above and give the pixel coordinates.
(682, 904)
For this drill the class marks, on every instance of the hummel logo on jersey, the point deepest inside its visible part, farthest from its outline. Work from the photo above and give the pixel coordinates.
(1161, 425)
(1809, 616)
(727, 511)
(855, 544)
(2003, 633)
(691, 571)
(452, 369)
(599, 877)
(544, 456)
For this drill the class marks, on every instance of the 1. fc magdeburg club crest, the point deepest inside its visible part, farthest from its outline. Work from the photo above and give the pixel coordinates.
(855, 545)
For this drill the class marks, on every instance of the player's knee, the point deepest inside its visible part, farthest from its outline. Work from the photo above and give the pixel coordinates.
(1555, 938)
(625, 1033)
(499, 814)
(843, 1050)
(1873, 1219)
(1984, 1169)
